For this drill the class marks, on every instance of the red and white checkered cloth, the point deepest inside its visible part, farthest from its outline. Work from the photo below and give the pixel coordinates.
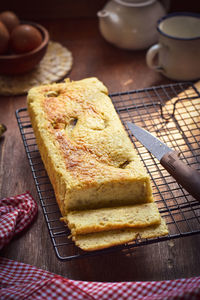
(16, 213)
(21, 281)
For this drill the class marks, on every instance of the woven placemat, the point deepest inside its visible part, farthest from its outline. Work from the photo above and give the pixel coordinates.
(56, 63)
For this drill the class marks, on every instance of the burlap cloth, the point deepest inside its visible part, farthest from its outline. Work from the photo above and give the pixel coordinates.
(56, 63)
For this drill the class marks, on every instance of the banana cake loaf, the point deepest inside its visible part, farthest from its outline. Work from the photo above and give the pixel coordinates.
(86, 151)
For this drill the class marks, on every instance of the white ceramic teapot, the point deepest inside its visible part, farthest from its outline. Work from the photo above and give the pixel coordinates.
(130, 24)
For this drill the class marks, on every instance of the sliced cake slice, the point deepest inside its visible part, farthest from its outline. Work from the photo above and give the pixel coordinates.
(106, 239)
(104, 219)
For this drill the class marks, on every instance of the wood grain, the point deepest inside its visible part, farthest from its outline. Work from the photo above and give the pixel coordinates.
(120, 70)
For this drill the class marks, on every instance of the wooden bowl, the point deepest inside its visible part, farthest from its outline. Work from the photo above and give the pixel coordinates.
(13, 64)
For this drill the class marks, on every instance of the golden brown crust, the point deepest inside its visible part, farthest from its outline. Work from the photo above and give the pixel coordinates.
(88, 156)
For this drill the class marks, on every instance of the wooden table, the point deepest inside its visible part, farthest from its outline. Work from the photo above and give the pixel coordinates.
(120, 70)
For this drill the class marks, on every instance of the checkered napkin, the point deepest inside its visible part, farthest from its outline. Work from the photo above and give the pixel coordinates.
(21, 281)
(16, 213)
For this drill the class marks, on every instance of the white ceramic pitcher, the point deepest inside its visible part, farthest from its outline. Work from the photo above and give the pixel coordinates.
(130, 24)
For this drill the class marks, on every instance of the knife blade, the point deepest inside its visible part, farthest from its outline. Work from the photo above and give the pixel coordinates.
(188, 177)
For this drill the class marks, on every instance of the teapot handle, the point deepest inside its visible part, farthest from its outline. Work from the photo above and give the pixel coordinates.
(152, 56)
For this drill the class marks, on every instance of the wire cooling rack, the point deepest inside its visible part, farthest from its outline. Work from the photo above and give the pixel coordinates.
(171, 112)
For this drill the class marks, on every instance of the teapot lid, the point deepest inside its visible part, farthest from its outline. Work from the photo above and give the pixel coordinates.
(136, 3)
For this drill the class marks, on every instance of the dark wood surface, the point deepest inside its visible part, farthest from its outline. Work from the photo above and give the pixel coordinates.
(45, 9)
(120, 70)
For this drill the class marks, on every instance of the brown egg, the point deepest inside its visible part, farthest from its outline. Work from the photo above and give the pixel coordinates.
(25, 38)
(9, 19)
(4, 38)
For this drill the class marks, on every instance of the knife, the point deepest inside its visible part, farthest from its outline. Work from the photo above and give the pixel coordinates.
(188, 177)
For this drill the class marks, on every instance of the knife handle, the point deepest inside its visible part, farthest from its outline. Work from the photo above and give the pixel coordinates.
(188, 177)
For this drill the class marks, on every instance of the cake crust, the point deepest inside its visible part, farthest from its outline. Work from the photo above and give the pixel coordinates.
(88, 156)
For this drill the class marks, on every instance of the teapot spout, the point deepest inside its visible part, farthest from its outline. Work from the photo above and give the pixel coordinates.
(103, 13)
